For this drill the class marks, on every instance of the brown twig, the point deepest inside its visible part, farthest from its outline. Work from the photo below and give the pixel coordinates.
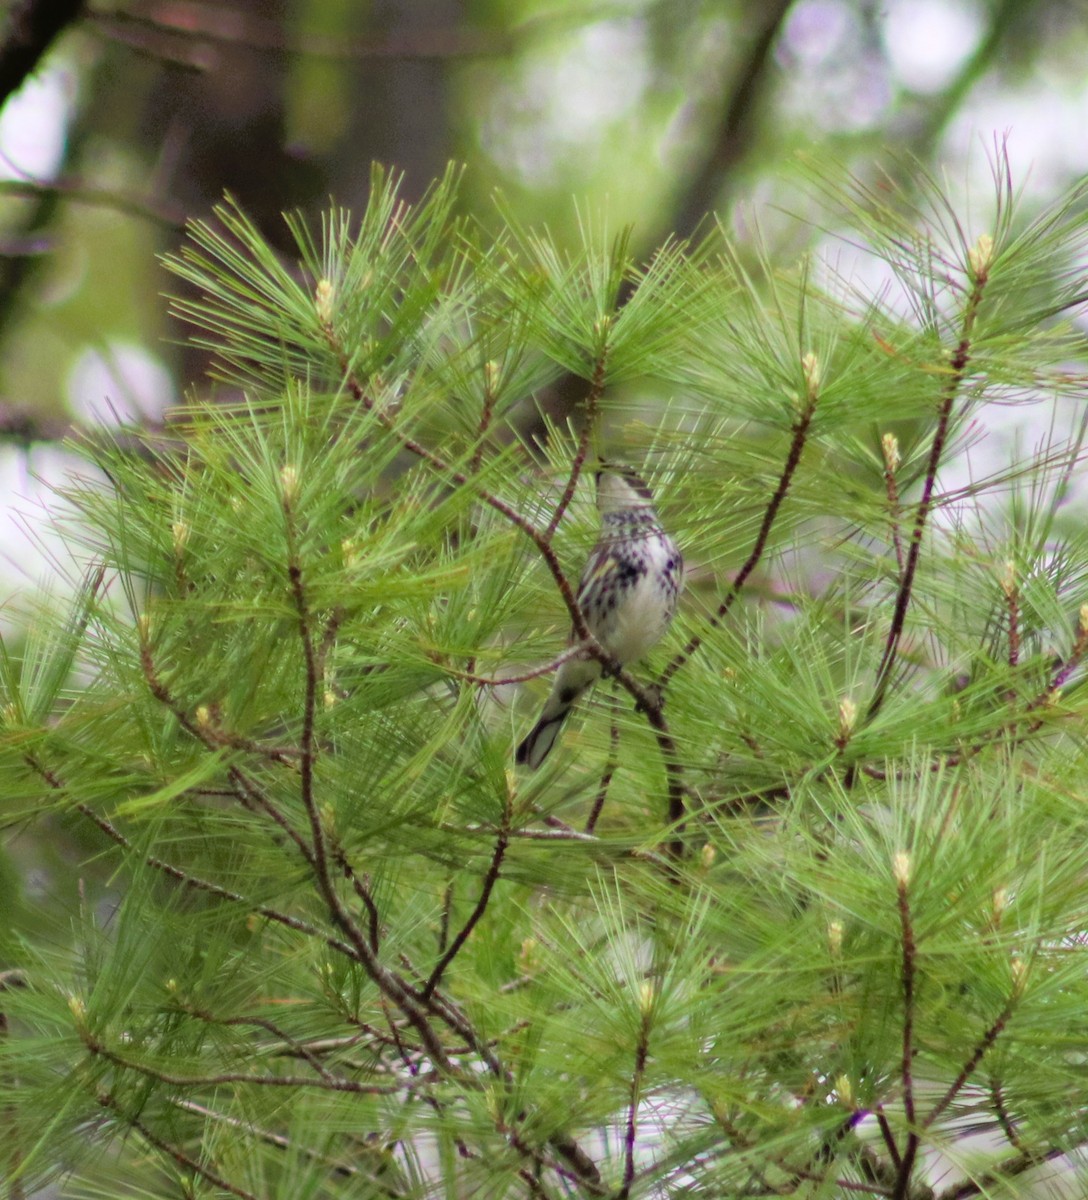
(901, 871)
(888, 1137)
(642, 1050)
(957, 371)
(327, 1083)
(248, 793)
(793, 459)
(535, 673)
(984, 1184)
(346, 1170)
(361, 889)
(490, 879)
(609, 769)
(589, 423)
(969, 1067)
(107, 1100)
(1003, 1118)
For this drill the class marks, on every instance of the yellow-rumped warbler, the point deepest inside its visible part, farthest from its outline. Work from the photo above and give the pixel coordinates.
(628, 593)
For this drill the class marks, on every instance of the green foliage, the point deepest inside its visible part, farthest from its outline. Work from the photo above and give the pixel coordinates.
(825, 935)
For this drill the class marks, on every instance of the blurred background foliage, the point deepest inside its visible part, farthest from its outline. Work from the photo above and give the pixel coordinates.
(138, 114)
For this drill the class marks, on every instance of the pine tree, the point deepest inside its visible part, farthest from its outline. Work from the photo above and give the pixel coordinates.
(796, 906)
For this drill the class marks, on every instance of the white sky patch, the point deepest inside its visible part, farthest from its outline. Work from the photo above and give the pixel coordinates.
(119, 383)
(33, 550)
(34, 125)
(927, 41)
(1044, 119)
(564, 95)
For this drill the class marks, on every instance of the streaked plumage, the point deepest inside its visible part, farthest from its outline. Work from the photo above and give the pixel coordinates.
(628, 593)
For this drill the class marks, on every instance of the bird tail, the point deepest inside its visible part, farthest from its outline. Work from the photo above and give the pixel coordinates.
(575, 678)
(541, 738)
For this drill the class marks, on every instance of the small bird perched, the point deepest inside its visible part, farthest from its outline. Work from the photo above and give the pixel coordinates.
(628, 593)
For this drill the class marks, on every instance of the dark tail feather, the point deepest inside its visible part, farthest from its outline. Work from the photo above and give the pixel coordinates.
(541, 738)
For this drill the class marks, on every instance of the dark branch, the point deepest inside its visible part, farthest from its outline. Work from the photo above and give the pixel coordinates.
(735, 123)
(32, 25)
(490, 879)
(793, 460)
(957, 370)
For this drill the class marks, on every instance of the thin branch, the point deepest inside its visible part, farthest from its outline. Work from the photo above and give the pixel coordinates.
(984, 1044)
(307, 743)
(106, 1100)
(487, 411)
(985, 1184)
(361, 888)
(642, 1050)
(888, 1136)
(296, 1048)
(325, 1083)
(589, 423)
(1003, 1118)
(957, 372)
(388, 982)
(247, 792)
(901, 870)
(609, 768)
(146, 208)
(490, 879)
(535, 673)
(31, 28)
(793, 459)
(346, 1170)
(194, 882)
(1012, 605)
(194, 22)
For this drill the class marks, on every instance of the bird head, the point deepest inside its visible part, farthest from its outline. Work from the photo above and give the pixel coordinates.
(619, 488)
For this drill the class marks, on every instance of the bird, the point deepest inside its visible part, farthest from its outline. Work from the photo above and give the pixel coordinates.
(627, 593)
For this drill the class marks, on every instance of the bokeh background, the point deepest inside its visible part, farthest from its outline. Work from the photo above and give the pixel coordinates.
(121, 119)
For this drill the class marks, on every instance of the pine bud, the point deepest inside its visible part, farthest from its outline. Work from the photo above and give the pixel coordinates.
(1084, 619)
(323, 302)
(1008, 579)
(491, 377)
(901, 866)
(529, 956)
(289, 484)
(848, 715)
(707, 856)
(647, 994)
(1000, 904)
(1019, 974)
(180, 531)
(835, 932)
(890, 445)
(810, 368)
(845, 1091)
(981, 256)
